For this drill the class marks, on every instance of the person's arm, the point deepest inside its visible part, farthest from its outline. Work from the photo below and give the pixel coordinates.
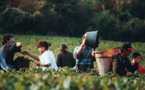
(80, 49)
(44, 65)
(31, 55)
(79, 52)
(37, 62)
(40, 65)
(129, 73)
(107, 53)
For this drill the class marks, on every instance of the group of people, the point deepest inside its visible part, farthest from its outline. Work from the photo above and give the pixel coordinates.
(46, 60)
(124, 62)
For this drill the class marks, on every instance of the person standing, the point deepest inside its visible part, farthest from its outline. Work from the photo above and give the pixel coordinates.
(84, 55)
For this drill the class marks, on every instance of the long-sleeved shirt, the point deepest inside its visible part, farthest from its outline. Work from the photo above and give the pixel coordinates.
(84, 58)
(48, 58)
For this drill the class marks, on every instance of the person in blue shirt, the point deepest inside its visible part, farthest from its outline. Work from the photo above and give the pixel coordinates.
(84, 56)
(7, 51)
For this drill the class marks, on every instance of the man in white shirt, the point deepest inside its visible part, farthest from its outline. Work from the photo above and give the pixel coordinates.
(46, 60)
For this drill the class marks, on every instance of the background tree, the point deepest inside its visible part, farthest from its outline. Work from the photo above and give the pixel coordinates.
(115, 19)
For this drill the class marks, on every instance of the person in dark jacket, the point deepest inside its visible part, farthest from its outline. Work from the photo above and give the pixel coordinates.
(65, 58)
(122, 63)
(8, 51)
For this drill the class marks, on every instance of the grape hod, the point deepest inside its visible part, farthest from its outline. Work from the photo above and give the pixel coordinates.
(92, 39)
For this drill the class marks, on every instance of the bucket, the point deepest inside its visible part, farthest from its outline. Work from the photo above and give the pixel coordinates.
(104, 60)
(104, 65)
(92, 39)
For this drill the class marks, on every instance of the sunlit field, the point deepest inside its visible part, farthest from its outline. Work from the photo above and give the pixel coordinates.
(67, 79)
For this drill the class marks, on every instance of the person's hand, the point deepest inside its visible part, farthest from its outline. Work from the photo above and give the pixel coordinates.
(84, 41)
(37, 63)
(18, 44)
(98, 55)
(93, 53)
(129, 74)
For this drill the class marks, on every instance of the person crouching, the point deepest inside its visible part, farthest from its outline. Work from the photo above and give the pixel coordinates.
(46, 59)
(135, 64)
(7, 52)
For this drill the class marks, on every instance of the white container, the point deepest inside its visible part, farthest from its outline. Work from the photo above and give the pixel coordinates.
(104, 65)
(92, 39)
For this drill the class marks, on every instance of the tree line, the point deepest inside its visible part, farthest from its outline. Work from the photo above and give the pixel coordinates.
(115, 19)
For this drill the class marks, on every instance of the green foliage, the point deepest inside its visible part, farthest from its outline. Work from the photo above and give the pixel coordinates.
(66, 79)
(135, 28)
(115, 19)
(3, 4)
(105, 22)
(137, 9)
(15, 20)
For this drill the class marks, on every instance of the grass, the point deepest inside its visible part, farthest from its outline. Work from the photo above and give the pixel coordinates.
(66, 79)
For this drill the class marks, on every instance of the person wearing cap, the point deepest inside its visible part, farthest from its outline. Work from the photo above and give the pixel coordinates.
(65, 58)
(136, 58)
(7, 52)
(121, 62)
(46, 60)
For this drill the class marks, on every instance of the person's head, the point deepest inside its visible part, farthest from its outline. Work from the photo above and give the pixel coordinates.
(136, 57)
(7, 38)
(43, 46)
(64, 47)
(126, 49)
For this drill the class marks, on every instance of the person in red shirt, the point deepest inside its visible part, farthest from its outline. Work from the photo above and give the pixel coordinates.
(135, 63)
